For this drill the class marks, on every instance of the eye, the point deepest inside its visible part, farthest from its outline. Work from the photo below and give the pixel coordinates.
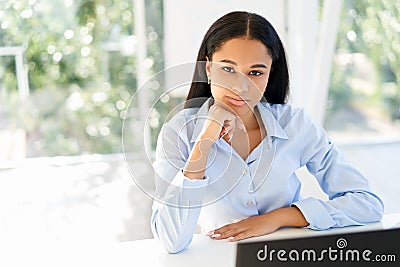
(255, 73)
(228, 69)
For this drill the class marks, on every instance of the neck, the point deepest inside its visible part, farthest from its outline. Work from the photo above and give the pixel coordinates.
(251, 119)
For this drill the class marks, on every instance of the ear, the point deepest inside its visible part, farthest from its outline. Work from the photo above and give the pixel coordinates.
(208, 66)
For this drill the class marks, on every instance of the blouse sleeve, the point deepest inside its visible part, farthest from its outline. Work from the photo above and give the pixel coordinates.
(351, 201)
(177, 205)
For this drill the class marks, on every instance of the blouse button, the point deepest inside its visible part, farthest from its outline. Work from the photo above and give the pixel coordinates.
(250, 203)
(244, 171)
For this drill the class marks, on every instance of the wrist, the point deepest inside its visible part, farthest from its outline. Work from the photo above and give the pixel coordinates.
(193, 175)
(196, 165)
(290, 216)
(204, 143)
(205, 138)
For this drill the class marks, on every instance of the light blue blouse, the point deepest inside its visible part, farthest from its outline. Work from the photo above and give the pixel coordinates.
(234, 189)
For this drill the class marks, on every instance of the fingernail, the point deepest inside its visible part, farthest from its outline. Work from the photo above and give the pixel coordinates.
(216, 235)
(231, 238)
(210, 233)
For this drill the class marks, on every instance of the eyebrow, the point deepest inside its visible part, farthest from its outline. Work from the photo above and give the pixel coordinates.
(260, 65)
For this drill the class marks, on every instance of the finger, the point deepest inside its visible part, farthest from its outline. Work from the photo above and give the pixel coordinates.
(240, 236)
(223, 133)
(223, 111)
(220, 232)
(230, 116)
(225, 232)
(229, 123)
(232, 124)
(219, 236)
(229, 129)
(230, 136)
(239, 124)
(229, 234)
(227, 227)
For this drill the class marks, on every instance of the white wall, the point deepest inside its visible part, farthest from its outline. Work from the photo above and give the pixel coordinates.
(309, 40)
(186, 22)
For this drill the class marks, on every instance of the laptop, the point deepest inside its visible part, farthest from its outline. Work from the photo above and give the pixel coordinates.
(367, 248)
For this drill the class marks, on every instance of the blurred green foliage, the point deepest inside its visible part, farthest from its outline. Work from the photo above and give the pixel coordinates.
(82, 71)
(370, 28)
(82, 67)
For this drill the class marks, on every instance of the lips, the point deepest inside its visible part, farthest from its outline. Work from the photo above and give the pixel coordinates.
(236, 101)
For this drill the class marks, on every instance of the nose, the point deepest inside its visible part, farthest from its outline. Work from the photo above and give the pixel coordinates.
(241, 83)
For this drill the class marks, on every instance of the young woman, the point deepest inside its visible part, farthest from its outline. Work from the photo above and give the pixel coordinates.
(227, 161)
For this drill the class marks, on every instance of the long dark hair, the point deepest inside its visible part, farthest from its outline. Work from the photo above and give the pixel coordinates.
(241, 24)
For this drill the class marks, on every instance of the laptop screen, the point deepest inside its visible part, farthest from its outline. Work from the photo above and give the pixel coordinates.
(369, 248)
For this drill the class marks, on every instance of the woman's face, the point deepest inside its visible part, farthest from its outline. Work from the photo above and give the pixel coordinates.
(239, 72)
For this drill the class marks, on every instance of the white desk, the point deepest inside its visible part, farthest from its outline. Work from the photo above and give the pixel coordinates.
(220, 253)
(149, 252)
